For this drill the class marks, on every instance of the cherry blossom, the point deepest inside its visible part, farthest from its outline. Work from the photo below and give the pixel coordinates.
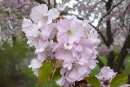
(69, 30)
(105, 76)
(40, 14)
(35, 64)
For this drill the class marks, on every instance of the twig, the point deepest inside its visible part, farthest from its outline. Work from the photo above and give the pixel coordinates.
(104, 1)
(126, 9)
(101, 19)
(125, 13)
(30, 18)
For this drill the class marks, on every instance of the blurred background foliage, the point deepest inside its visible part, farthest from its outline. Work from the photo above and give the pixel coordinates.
(13, 64)
(14, 61)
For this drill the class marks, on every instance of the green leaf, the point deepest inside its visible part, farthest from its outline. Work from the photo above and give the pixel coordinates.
(119, 80)
(44, 72)
(93, 81)
(50, 84)
(56, 74)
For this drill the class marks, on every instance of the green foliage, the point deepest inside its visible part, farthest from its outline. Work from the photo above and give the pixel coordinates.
(11, 61)
(119, 80)
(127, 67)
(93, 81)
(103, 59)
(56, 74)
(44, 72)
(95, 71)
(50, 84)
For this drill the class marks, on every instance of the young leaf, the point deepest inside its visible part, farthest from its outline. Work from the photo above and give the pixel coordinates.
(93, 81)
(56, 74)
(119, 80)
(58, 63)
(44, 72)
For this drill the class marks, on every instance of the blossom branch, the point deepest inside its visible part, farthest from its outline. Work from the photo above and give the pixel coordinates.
(123, 53)
(99, 32)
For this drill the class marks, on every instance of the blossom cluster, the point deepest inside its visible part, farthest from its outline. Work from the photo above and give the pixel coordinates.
(72, 41)
(105, 77)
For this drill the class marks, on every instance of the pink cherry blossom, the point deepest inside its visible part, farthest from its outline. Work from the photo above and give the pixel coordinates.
(35, 64)
(41, 14)
(45, 50)
(105, 76)
(69, 30)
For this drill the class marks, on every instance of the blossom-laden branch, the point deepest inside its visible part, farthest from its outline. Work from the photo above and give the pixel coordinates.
(99, 32)
(71, 41)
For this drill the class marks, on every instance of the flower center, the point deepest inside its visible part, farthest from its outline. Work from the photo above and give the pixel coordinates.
(74, 66)
(48, 49)
(69, 32)
(45, 17)
(66, 51)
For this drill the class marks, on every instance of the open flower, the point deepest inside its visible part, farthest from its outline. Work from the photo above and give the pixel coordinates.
(69, 30)
(105, 76)
(40, 14)
(35, 64)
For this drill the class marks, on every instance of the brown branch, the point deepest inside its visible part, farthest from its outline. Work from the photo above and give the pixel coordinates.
(41, 2)
(108, 12)
(110, 56)
(110, 59)
(30, 18)
(103, 38)
(126, 9)
(109, 33)
(123, 53)
(49, 4)
(55, 3)
(104, 1)
(125, 13)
